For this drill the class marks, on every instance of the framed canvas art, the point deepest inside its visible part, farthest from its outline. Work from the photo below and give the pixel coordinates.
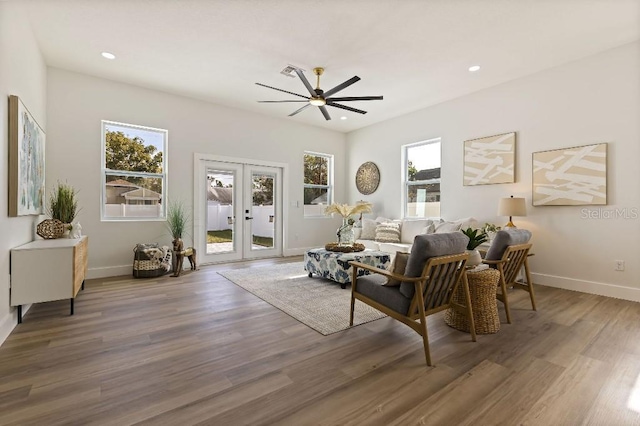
(490, 160)
(574, 176)
(26, 161)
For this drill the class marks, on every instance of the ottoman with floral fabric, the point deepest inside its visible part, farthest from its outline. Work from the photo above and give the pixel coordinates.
(336, 267)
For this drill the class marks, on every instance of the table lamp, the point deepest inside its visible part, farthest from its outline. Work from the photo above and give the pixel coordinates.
(511, 207)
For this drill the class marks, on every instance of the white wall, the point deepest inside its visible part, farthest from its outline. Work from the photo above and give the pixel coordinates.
(77, 103)
(596, 99)
(22, 73)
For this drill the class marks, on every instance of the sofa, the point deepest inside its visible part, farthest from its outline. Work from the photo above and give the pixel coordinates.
(391, 236)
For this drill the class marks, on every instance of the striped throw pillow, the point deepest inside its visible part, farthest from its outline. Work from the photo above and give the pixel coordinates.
(388, 232)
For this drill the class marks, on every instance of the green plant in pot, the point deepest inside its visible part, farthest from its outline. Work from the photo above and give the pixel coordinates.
(63, 205)
(476, 237)
(177, 221)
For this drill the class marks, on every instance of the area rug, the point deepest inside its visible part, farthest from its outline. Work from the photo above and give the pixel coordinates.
(316, 302)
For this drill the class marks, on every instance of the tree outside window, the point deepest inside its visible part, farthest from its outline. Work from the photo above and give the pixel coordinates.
(317, 183)
(134, 172)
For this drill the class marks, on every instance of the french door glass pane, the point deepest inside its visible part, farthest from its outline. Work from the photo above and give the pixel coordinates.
(220, 214)
(263, 211)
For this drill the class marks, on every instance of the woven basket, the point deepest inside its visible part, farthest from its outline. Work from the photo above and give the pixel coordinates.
(50, 229)
(482, 289)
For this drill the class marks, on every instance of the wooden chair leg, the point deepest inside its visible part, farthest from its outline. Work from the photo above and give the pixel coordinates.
(423, 324)
(467, 296)
(505, 298)
(530, 284)
(354, 271)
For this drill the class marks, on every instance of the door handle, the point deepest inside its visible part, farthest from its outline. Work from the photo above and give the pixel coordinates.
(247, 218)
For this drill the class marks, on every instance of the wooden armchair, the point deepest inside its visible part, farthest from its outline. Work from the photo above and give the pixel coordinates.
(508, 254)
(434, 269)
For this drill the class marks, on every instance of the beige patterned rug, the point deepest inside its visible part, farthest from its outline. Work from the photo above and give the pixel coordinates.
(316, 302)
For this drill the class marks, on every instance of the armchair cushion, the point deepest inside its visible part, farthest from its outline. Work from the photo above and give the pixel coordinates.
(398, 267)
(372, 286)
(427, 246)
(504, 239)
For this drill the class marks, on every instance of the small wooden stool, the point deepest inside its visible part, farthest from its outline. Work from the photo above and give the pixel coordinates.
(482, 288)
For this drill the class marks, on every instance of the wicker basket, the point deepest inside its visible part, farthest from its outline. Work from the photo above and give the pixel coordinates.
(482, 289)
(50, 229)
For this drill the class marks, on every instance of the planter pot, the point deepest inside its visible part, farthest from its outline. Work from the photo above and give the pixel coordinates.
(474, 258)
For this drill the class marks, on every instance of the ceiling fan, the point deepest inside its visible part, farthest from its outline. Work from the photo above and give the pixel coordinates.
(320, 98)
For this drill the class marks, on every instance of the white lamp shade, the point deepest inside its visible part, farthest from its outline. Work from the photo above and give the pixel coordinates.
(512, 207)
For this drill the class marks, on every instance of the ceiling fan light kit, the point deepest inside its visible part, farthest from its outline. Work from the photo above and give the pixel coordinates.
(319, 97)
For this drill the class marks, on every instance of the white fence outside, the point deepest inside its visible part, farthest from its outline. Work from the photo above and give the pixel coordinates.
(218, 217)
(132, 210)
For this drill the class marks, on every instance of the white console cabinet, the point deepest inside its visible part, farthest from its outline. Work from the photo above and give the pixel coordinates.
(47, 270)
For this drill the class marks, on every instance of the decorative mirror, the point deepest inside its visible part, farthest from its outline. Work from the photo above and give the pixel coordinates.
(367, 178)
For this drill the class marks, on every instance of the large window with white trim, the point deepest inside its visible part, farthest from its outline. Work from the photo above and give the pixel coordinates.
(134, 172)
(318, 182)
(421, 171)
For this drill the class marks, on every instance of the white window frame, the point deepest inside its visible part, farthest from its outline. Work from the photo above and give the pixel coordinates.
(406, 183)
(328, 187)
(128, 173)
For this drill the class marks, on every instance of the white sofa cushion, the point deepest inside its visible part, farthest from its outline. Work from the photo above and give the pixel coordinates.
(412, 227)
(393, 247)
(445, 227)
(369, 244)
(368, 229)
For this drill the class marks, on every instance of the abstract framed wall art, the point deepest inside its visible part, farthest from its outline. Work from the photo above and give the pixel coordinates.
(26, 161)
(574, 176)
(490, 160)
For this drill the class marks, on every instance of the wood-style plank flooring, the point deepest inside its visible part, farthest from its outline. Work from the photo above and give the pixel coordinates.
(200, 350)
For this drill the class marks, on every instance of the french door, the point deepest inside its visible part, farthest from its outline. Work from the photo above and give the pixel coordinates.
(240, 211)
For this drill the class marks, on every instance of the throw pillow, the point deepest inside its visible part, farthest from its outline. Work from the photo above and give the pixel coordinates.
(368, 229)
(430, 229)
(444, 227)
(388, 232)
(397, 267)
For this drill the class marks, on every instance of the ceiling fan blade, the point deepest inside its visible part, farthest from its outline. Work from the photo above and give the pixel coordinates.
(276, 102)
(299, 110)
(324, 111)
(280, 90)
(356, 98)
(306, 82)
(339, 87)
(359, 111)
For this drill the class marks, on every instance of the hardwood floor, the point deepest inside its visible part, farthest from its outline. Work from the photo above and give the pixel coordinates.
(200, 350)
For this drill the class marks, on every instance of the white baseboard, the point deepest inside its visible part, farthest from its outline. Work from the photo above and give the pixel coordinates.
(295, 251)
(592, 287)
(9, 322)
(109, 271)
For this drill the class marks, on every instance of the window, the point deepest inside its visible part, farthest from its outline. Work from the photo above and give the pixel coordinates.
(318, 183)
(421, 171)
(134, 172)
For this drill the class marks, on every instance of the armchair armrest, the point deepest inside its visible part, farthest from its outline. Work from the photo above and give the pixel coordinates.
(494, 262)
(384, 272)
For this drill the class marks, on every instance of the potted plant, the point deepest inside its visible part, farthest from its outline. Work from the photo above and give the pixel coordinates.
(476, 237)
(490, 229)
(177, 220)
(63, 205)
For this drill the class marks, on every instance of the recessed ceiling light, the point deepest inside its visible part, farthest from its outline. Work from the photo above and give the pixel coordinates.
(474, 68)
(108, 55)
(343, 118)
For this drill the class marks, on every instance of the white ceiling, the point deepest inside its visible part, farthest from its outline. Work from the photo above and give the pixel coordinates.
(415, 53)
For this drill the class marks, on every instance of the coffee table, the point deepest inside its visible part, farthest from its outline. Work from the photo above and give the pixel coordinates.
(336, 266)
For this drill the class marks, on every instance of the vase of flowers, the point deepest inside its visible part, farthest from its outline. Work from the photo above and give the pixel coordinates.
(345, 234)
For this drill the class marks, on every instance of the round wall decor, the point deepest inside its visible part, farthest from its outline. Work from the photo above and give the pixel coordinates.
(367, 178)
